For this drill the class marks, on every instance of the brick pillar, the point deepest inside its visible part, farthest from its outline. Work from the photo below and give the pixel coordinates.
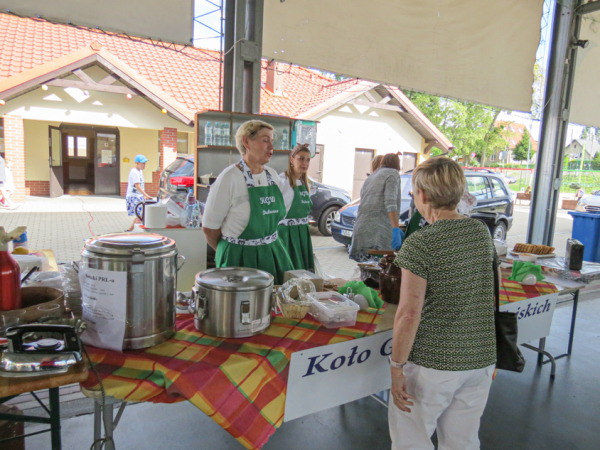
(168, 147)
(14, 148)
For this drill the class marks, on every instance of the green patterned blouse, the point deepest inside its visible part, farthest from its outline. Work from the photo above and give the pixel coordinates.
(457, 322)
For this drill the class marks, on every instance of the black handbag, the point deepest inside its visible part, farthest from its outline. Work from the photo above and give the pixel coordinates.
(508, 355)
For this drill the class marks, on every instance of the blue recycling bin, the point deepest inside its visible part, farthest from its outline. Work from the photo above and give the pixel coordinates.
(586, 229)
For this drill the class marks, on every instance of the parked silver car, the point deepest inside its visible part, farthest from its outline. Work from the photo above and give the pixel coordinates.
(589, 203)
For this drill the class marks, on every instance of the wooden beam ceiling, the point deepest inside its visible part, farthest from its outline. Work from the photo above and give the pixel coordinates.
(377, 105)
(93, 86)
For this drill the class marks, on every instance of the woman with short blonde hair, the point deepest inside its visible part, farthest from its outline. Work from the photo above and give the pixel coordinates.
(444, 341)
(294, 229)
(245, 205)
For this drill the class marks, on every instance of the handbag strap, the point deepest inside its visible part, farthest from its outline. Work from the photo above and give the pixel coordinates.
(496, 285)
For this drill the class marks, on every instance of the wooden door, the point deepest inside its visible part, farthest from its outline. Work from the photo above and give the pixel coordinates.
(315, 170)
(56, 162)
(362, 167)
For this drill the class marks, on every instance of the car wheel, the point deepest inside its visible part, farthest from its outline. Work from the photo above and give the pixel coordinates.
(326, 219)
(500, 231)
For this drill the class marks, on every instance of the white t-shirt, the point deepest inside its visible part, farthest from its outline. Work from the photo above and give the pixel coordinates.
(228, 204)
(135, 176)
(287, 191)
(9, 184)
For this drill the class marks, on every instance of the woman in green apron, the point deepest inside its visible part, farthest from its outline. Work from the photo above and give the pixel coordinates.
(245, 206)
(294, 230)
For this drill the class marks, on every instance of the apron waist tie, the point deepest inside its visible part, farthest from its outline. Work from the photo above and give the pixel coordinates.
(252, 242)
(292, 222)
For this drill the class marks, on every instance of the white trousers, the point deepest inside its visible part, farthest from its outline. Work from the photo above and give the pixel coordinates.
(451, 402)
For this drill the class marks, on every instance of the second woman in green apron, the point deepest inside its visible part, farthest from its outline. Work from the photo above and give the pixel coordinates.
(245, 205)
(294, 230)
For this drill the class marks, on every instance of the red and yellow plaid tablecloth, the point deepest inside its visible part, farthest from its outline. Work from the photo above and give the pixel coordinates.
(513, 291)
(240, 383)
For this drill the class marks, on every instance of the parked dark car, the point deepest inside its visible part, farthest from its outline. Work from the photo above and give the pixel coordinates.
(327, 200)
(495, 206)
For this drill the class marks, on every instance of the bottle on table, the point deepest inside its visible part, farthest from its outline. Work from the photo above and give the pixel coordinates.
(217, 134)
(21, 241)
(285, 145)
(192, 211)
(208, 134)
(226, 137)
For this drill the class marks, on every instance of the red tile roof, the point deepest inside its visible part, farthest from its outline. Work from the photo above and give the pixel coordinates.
(513, 133)
(190, 75)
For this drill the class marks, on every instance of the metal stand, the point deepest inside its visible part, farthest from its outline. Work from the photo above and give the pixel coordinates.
(53, 420)
(382, 397)
(107, 418)
(540, 349)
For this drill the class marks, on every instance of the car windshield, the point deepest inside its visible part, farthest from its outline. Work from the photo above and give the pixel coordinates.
(181, 168)
(405, 186)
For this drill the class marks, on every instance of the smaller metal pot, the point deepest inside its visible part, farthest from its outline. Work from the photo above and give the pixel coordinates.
(232, 302)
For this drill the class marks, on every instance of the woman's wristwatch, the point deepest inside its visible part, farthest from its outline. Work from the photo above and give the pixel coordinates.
(396, 365)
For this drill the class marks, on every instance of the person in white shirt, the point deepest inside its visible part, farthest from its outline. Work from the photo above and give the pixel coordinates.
(7, 187)
(245, 205)
(135, 187)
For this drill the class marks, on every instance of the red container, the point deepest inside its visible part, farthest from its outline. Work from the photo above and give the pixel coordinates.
(10, 282)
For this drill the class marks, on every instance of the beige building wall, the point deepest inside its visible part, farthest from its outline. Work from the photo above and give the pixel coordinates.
(37, 154)
(351, 127)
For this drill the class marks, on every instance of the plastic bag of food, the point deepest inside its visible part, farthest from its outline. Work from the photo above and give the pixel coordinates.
(292, 297)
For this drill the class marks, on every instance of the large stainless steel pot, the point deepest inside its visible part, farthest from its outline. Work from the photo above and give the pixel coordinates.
(150, 261)
(232, 302)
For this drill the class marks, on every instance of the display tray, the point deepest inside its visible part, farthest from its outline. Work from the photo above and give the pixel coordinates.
(549, 255)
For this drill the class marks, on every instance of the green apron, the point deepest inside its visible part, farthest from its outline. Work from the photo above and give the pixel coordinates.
(417, 221)
(259, 246)
(294, 230)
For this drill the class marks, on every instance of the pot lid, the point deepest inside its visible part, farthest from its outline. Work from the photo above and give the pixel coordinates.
(127, 243)
(237, 279)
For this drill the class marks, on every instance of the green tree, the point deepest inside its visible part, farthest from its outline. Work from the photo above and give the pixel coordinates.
(589, 134)
(521, 150)
(596, 161)
(469, 126)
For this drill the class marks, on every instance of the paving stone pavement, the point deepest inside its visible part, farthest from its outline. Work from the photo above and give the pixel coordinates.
(63, 223)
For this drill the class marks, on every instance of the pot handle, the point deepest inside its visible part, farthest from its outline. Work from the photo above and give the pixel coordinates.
(135, 210)
(199, 310)
(182, 259)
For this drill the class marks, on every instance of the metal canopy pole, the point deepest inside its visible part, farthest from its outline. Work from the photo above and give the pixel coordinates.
(242, 62)
(555, 119)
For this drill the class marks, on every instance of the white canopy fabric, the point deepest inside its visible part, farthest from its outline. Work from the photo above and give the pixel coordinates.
(476, 50)
(169, 21)
(585, 103)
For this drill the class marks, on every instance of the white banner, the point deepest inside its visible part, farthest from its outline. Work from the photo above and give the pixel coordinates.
(104, 302)
(328, 376)
(332, 375)
(535, 316)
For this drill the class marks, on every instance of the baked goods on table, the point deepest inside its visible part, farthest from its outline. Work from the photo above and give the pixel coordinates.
(533, 248)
